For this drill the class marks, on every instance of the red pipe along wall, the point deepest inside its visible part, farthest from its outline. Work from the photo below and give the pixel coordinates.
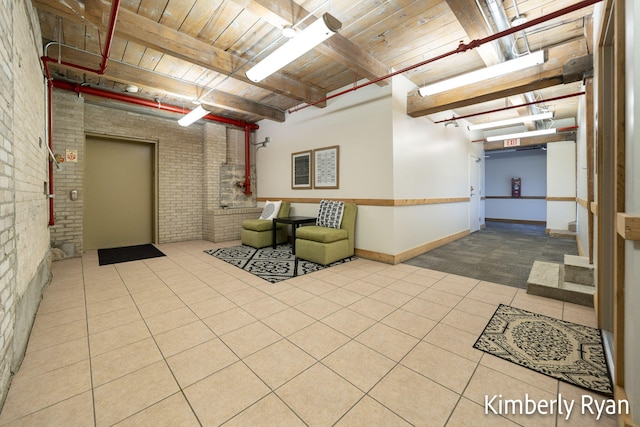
(115, 7)
(247, 127)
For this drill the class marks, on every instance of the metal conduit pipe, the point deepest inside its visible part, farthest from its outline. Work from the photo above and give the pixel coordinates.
(462, 47)
(508, 43)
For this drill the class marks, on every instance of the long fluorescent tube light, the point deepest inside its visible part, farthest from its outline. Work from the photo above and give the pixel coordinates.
(193, 116)
(516, 120)
(300, 44)
(521, 135)
(497, 70)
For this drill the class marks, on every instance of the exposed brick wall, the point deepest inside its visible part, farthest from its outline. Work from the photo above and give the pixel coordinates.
(225, 204)
(190, 163)
(24, 235)
(179, 152)
(68, 133)
(7, 187)
(228, 222)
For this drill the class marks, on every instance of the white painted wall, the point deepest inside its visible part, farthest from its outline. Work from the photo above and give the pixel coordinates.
(384, 154)
(431, 161)
(561, 182)
(531, 167)
(360, 123)
(632, 207)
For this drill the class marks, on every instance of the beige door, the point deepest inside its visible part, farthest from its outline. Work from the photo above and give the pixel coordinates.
(119, 193)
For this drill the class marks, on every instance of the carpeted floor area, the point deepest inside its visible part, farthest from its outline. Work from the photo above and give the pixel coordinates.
(501, 253)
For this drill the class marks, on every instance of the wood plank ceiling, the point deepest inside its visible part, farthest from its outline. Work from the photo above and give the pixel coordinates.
(177, 51)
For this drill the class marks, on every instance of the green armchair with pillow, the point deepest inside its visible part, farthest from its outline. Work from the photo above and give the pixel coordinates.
(333, 236)
(258, 232)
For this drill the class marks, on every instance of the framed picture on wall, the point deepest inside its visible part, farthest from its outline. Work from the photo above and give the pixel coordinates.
(301, 170)
(326, 163)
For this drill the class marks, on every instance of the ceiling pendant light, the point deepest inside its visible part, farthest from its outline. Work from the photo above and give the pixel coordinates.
(497, 70)
(193, 116)
(297, 46)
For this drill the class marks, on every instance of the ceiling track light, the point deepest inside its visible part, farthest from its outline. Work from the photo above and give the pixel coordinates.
(297, 46)
(193, 116)
(516, 120)
(487, 73)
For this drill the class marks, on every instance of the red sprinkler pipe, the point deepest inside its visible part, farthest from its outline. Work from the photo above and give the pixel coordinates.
(144, 102)
(115, 7)
(248, 127)
(511, 107)
(247, 160)
(462, 47)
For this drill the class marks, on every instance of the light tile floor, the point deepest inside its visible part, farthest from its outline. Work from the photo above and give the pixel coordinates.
(188, 339)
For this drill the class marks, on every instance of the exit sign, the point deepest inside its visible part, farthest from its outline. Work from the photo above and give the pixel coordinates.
(512, 142)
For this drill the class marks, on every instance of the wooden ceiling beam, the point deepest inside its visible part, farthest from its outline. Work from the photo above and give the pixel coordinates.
(337, 47)
(146, 32)
(551, 73)
(126, 74)
(473, 22)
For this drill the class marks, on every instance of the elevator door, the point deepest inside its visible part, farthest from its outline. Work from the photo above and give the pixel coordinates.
(119, 193)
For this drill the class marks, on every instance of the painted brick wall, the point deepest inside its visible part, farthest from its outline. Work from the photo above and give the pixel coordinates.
(68, 133)
(180, 168)
(225, 204)
(24, 235)
(189, 162)
(31, 158)
(7, 189)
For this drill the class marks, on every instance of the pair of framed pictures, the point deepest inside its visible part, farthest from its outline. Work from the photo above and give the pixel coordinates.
(318, 168)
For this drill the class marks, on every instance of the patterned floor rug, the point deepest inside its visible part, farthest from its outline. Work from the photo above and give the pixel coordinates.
(272, 265)
(563, 350)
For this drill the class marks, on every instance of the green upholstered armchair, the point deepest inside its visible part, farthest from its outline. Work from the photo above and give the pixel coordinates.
(324, 245)
(258, 232)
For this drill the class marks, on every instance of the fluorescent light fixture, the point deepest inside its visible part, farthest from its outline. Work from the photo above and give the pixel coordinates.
(193, 116)
(497, 70)
(288, 31)
(516, 120)
(521, 135)
(300, 44)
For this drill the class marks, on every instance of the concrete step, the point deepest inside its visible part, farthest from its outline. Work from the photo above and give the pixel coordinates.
(545, 280)
(573, 226)
(578, 270)
(563, 234)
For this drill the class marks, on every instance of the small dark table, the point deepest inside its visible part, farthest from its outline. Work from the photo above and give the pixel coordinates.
(295, 221)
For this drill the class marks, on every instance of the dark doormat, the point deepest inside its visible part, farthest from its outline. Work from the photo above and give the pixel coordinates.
(562, 350)
(127, 253)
